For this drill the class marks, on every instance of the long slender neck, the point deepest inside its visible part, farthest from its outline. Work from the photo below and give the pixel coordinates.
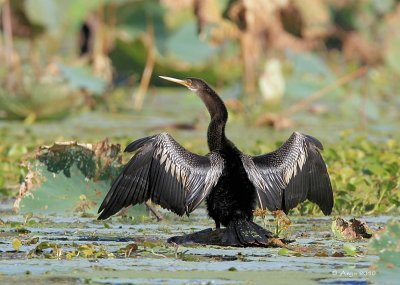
(219, 116)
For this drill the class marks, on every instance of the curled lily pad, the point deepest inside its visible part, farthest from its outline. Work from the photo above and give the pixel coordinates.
(350, 230)
(70, 178)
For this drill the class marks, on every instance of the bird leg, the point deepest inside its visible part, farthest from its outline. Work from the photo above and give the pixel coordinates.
(217, 224)
(154, 211)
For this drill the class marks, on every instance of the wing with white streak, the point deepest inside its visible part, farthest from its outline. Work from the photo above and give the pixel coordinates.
(291, 174)
(165, 172)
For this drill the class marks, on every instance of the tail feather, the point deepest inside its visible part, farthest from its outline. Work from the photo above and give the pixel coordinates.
(245, 233)
(230, 237)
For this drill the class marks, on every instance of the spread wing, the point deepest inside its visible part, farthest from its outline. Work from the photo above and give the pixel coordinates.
(291, 174)
(165, 172)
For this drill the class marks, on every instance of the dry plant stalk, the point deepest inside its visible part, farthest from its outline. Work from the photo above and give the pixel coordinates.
(8, 43)
(148, 70)
(300, 105)
(281, 120)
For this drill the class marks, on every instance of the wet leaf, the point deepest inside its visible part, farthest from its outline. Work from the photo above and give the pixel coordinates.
(88, 252)
(103, 254)
(351, 230)
(350, 249)
(106, 225)
(16, 244)
(44, 245)
(31, 223)
(22, 230)
(301, 249)
(70, 255)
(189, 257)
(338, 254)
(283, 251)
(321, 254)
(149, 244)
(276, 242)
(34, 240)
(130, 248)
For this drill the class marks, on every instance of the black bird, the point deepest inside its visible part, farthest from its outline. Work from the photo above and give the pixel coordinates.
(231, 182)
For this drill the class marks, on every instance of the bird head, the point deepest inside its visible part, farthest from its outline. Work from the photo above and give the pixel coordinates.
(210, 98)
(193, 84)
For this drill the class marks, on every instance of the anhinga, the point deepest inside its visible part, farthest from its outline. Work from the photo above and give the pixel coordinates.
(231, 182)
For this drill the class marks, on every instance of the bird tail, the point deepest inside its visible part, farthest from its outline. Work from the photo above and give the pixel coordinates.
(245, 233)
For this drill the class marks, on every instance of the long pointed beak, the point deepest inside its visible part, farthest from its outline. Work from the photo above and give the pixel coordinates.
(179, 81)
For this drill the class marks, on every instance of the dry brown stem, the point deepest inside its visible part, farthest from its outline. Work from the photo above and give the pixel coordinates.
(300, 105)
(148, 69)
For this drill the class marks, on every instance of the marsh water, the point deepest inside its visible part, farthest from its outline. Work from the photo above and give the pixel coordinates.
(78, 250)
(316, 258)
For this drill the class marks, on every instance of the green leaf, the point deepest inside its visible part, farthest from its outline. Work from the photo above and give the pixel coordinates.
(16, 244)
(283, 251)
(60, 16)
(136, 16)
(81, 77)
(47, 13)
(34, 240)
(185, 45)
(70, 178)
(44, 245)
(350, 249)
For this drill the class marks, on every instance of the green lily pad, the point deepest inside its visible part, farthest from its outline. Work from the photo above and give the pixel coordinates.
(350, 249)
(186, 45)
(81, 77)
(70, 178)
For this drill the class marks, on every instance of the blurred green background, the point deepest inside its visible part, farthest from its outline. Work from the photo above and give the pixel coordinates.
(88, 70)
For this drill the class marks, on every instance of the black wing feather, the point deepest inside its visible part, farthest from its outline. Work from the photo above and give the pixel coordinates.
(164, 172)
(320, 180)
(291, 174)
